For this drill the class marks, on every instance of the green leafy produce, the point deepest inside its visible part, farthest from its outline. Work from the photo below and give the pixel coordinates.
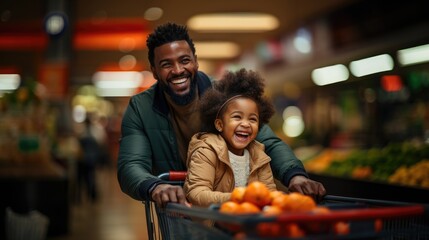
(382, 162)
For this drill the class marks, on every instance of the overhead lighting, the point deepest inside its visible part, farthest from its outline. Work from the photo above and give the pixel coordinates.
(371, 65)
(115, 92)
(153, 13)
(293, 124)
(217, 49)
(414, 55)
(233, 22)
(291, 111)
(302, 41)
(79, 113)
(125, 34)
(331, 74)
(127, 62)
(116, 83)
(9, 82)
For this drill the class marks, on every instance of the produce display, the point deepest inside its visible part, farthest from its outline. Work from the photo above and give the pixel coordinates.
(415, 175)
(27, 133)
(403, 164)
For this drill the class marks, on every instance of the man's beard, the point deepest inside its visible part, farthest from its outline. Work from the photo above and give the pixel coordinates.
(182, 99)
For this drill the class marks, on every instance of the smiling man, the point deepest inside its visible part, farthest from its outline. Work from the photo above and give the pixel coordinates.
(159, 123)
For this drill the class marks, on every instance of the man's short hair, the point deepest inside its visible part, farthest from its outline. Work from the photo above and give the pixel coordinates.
(166, 33)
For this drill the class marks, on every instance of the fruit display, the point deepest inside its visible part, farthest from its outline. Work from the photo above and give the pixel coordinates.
(415, 175)
(402, 164)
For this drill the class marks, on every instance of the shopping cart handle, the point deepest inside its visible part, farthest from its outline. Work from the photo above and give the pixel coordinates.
(173, 176)
(365, 200)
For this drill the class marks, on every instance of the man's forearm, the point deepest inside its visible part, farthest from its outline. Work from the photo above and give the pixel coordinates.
(292, 173)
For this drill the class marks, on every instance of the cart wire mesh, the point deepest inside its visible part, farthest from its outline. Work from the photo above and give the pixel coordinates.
(365, 219)
(397, 222)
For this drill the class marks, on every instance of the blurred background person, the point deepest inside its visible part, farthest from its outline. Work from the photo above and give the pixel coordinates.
(90, 158)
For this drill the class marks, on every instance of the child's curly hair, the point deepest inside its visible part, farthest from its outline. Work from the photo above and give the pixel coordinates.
(244, 82)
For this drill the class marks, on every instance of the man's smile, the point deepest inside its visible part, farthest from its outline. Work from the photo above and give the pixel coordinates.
(179, 81)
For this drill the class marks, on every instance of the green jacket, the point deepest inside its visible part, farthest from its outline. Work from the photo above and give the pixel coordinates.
(148, 145)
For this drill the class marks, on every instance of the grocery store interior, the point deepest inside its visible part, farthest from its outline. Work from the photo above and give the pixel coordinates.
(349, 80)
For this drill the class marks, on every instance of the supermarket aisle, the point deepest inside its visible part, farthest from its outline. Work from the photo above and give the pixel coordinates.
(114, 216)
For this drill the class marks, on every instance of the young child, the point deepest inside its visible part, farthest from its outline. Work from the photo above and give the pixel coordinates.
(225, 154)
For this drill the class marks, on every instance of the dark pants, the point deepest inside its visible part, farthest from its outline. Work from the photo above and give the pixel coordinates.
(86, 181)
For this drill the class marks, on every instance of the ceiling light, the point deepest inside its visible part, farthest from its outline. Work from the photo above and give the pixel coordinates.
(116, 84)
(302, 41)
(9, 81)
(291, 111)
(124, 79)
(237, 22)
(153, 13)
(293, 126)
(371, 65)
(115, 92)
(330, 74)
(414, 55)
(127, 62)
(217, 49)
(79, 113)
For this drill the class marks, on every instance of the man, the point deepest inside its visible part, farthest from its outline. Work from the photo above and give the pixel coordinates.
(159, 123)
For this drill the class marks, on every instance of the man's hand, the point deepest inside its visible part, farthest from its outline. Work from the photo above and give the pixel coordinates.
(307, 186)
(164, 193)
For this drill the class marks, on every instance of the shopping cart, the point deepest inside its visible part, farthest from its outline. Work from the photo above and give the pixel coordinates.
(364, 219)
(158, 226)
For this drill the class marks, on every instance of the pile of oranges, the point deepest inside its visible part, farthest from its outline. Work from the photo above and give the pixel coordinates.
(256, 198)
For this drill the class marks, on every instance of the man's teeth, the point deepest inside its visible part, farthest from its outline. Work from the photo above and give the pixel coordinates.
(179, 81)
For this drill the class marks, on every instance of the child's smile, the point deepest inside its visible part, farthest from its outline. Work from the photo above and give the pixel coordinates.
(239, 124)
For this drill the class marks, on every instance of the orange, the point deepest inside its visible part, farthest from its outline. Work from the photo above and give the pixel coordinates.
(237, 194)
(280, 201)
(276, 193)
(294, 231)
(240, 236)
(271, 210)
(317, 226)
(297, 202)
(230, 207)
(257, 193)
(270, 229)
(378, 225)
(320, 210)
(342, 228)
(248, 208)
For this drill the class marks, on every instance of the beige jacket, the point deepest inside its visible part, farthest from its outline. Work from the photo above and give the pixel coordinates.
(210, 177)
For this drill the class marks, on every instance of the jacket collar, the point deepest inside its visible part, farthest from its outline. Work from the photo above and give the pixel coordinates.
(159, 101)
(216, 142)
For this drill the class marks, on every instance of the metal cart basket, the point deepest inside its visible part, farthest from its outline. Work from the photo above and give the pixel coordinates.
(364, 218)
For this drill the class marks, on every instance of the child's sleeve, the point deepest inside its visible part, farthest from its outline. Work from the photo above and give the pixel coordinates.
(199, 183)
